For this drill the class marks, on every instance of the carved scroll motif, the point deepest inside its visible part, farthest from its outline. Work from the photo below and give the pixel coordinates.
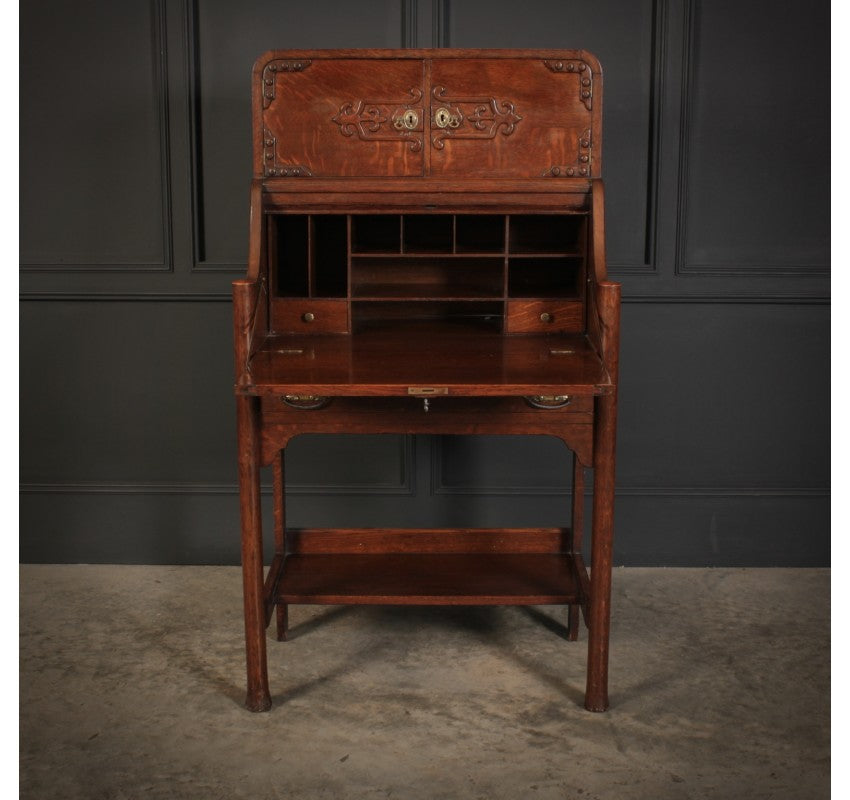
(384, 120)
(581, 168)
(274, 67)
(486, 117)
(271, 167)
(585, 77)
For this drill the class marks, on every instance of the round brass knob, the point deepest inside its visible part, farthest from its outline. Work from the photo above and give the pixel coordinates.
(546, 317)
(308, 317)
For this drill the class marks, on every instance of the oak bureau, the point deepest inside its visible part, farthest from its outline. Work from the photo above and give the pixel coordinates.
(427, 256)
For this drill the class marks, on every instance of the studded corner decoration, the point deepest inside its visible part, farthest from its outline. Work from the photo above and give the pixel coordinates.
(581, 69)
(470, 117)
(271, 167)
(384, 120)
(581, 168)
(274, 67)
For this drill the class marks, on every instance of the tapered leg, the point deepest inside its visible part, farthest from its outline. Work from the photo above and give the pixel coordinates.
(576, 538)
(278, 472)
(247, 412)
(596, 696)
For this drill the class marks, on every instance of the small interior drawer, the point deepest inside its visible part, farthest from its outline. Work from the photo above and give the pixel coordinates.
(544, 316)
(297, 315)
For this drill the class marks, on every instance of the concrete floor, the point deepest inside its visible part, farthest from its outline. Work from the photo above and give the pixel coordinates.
(132, 685)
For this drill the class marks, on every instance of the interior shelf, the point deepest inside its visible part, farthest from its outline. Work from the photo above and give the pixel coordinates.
(545, 233)
(413, 255)
(426, 266)
(425, 292)
(544, 276)
(429, 579)
(428, 277)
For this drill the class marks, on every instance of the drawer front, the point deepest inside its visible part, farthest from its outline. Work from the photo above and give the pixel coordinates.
(309, 316)
(544, 316)
(474, 409)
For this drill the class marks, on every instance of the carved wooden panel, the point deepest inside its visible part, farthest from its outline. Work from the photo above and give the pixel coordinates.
(479, 117)
(499, 116)
(384, 120)
(337, 117)
(517, 118)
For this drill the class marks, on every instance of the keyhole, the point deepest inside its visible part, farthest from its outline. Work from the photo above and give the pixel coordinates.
(409, 120)
(445, 119)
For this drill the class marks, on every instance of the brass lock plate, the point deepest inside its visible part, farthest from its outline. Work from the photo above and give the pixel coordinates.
(443, 118)
(427, 391)
(409, 120)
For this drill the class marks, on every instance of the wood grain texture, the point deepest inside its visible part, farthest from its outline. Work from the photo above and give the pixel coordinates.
(309, 316)
(488, 114)
(308, 541)
(335, 118)
(544, 316)
(428, 579)
(388, 359)
(255, 607)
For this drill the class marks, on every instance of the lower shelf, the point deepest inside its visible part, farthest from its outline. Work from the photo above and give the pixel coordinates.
(429, 579)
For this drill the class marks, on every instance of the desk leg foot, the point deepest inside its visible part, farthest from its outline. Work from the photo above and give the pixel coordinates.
(573, 623)
(282, 622)
(258, 701)
(596, 704)
(596, 693)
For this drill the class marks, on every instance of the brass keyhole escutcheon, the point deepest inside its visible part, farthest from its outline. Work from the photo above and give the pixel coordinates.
(309, 316)
(443, 118)
(408, 120)
(546, 317)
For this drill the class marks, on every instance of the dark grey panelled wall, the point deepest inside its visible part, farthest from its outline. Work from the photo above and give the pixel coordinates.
(135, 163)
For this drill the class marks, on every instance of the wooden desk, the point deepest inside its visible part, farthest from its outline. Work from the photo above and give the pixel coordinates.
(427, 256)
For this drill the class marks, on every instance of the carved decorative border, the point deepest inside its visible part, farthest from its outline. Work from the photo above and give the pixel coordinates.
(581, 167)
(272, 68)
(366, 120)
(272, 168)
(488, 117)
(585, 76)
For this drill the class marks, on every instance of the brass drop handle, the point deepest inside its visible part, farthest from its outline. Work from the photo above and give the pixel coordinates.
(306, 402)
(546, 317)
(548, 400)
(309, 316)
